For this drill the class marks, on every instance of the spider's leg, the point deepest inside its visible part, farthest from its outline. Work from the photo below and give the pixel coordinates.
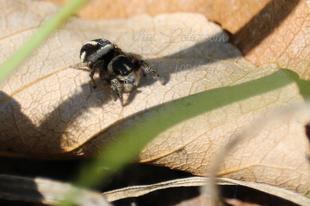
(137, 79)
(149, 70)
(107, 85)
(83, 66)
(80, 65)
(146, 68)
(105, 79)
(94, 67)
(102, 70)
(143, 72)
(91, 75)
(117, 87)
(118, 50)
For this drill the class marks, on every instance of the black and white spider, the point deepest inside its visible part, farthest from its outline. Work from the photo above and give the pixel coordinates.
(117, 70)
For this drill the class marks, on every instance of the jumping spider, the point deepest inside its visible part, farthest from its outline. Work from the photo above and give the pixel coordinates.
(117, 70)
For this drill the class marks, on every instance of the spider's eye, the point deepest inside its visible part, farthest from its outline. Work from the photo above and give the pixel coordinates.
(96, 49)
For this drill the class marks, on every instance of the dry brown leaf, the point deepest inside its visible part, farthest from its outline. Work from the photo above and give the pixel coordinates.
(279, 33)
(205, 183)
(236, 202)
(266, 31)
(49, 109)
(226, 12)
(201, 200)
(125, 9)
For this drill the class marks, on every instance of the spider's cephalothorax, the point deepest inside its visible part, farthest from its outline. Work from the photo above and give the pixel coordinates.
(117, 70)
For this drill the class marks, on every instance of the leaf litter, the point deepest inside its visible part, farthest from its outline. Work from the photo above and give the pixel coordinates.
(50, 110)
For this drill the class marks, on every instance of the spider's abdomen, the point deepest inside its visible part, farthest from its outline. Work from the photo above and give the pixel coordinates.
(120, 66)
(95, 50)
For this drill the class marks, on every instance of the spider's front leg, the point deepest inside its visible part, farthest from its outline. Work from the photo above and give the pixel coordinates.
(117, 87)
(137, 79)
(146, 68)
(149, 70)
